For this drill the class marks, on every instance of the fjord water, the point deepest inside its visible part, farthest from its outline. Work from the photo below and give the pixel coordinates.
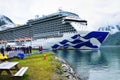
(102, 64)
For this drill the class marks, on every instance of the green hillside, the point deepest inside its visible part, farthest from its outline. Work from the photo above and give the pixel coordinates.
(113, 39)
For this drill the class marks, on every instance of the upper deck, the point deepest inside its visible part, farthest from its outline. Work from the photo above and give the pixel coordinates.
(43, 27)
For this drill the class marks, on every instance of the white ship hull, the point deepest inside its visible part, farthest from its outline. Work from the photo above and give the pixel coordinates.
(86, 40)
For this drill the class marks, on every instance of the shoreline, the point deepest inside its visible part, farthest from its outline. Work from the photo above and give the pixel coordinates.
(68, 71)
(62, 69)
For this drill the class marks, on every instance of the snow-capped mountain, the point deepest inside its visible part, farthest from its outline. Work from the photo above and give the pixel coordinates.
(5, 23)
(114, 37)
(112, 28)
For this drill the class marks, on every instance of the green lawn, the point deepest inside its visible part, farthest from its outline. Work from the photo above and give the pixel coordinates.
(40, 69)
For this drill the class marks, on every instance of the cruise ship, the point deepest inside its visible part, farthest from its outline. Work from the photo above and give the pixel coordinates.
(60, 30)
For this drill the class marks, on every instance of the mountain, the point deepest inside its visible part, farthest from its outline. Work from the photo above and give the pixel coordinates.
(113, 39)
(110, 28)
(114, 36)
(5, 23)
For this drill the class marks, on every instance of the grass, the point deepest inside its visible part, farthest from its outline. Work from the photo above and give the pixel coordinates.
(40, 69)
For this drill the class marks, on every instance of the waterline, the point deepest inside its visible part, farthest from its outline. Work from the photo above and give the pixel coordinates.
(94, 64)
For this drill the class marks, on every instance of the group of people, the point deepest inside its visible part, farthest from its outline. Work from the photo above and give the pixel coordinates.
(27, 50)
(24, 49)
(2, 49)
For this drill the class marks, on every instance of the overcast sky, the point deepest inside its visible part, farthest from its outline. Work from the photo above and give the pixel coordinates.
(96, 12)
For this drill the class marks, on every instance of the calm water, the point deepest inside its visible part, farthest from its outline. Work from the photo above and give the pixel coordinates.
(103, 64)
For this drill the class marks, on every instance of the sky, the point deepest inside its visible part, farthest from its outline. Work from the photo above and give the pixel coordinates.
(97, 12)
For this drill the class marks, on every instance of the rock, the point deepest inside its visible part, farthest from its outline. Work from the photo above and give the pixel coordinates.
(68, 71)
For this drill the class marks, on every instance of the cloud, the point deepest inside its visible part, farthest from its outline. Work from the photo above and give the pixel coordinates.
(97, 12)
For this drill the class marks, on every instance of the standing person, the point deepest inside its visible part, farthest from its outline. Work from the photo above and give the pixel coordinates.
(30, 49)
(2, 50)
(27, 50)
(23, 49)
(79, 36)
(8, 48)
(40, 49)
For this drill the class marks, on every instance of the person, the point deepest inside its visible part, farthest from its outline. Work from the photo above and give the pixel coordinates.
(30, 49)
(2, 50)
(40, 49)
(23, 49)
(27, 50)
(8, 48)
(79, 36)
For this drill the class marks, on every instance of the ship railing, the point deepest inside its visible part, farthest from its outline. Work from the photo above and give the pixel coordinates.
(48, 34)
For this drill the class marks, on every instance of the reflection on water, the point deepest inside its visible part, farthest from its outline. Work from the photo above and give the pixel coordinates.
(103, 64)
